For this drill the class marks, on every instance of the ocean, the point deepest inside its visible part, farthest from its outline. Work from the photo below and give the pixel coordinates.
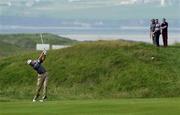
(89, 30)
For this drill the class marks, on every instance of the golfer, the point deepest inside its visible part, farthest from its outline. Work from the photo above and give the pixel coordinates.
(42, 75)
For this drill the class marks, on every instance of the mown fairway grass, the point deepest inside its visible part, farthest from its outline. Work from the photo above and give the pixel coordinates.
(161, 106)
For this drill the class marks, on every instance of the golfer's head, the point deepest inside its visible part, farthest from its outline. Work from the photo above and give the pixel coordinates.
(29, 61)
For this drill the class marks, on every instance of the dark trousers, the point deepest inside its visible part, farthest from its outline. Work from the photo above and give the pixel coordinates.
(157, 35)
(165, 39)
(154, 40)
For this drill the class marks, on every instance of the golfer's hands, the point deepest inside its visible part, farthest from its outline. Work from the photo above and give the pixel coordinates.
(44, 52)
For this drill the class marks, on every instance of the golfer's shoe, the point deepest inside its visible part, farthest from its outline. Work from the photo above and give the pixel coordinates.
(34, 100)
(36, 97)
(41, 100)
(44, 97)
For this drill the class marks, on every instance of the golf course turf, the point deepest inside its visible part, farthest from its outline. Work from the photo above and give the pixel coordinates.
(156, 106)
(96, 78)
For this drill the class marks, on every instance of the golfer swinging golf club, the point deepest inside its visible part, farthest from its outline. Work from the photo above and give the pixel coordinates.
(42, 75)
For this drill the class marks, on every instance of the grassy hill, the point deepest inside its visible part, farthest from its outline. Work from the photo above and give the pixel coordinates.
(103, 69)
(17, 43)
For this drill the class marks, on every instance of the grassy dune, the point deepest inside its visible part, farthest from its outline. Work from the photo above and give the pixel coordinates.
(11, 44)
(103, 69)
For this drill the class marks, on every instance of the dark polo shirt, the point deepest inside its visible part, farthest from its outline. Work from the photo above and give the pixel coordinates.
(165, 30)
(36, 65)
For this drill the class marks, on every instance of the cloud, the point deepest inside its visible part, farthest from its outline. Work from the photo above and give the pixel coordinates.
(68, 8)
(74, 0)
(6, 4)
(29, 3)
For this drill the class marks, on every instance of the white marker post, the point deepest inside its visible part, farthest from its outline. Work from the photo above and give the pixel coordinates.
(41, 38)
(42, 46)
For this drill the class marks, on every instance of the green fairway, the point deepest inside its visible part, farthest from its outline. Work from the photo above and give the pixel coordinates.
(94, 107)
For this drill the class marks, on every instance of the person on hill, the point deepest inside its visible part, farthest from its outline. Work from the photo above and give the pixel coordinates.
(157, 32)
(164, 28)
(152, 30)
(42, 75)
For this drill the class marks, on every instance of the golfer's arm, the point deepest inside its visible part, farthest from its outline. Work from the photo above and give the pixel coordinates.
(42, 57)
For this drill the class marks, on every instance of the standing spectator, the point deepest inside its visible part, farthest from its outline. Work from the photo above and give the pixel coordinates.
(164, 27)
(157, 32)
(152, 30)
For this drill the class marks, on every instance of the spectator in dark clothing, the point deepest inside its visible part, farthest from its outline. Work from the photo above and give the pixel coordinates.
(157, 32)
(152, 30)
(164, 28)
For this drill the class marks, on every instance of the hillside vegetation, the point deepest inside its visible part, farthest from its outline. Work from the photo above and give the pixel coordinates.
(11, 44)
(102, 69)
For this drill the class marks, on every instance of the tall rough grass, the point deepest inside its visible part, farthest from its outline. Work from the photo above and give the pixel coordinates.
(102, 69)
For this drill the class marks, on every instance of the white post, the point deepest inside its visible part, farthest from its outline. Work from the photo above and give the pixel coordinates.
(42, 39)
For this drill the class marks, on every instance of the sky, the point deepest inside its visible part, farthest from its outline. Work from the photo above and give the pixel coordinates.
(84, 16)
(88, 9)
